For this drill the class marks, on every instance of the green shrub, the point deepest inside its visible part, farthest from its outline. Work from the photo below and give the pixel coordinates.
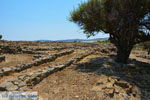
(103, 41)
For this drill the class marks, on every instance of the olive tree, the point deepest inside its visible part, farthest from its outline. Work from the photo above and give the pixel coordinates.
(126, 21)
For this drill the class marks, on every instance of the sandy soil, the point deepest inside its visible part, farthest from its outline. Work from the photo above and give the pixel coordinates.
(13, 60)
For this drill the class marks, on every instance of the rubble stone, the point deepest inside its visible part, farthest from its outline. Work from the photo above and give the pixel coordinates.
(33, 78)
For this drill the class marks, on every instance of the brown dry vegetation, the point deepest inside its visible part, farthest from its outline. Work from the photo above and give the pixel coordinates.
(15, 59)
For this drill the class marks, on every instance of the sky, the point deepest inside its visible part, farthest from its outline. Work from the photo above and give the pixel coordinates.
(39, 19)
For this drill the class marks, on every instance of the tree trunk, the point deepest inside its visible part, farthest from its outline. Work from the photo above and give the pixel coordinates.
(123, 53)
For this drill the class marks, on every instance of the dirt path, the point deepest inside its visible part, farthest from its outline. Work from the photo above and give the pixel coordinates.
(69, 84)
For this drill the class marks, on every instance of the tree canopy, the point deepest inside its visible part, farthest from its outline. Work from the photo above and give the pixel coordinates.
(127, 22)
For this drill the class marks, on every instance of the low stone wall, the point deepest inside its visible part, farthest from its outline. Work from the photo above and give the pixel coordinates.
(46, 49)
(48, 58)
(29, 51)
(28, 80)
(38, 56)
(16, 50)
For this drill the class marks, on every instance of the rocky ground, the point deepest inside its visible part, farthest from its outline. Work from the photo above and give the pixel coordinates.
(73, 71)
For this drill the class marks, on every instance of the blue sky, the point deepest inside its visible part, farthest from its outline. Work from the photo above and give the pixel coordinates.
(39, 19)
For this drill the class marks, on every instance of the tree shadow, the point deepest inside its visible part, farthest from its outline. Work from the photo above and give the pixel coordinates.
(135, 73)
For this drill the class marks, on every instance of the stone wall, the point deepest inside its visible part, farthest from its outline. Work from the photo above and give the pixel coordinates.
(48, 58)
(28, 80)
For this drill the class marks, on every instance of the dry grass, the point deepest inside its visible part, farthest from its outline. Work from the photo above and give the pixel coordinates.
(16, 59)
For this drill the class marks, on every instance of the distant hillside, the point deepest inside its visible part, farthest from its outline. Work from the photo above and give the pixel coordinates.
(76, 40)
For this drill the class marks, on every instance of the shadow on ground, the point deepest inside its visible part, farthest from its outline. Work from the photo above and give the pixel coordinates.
(133, 78)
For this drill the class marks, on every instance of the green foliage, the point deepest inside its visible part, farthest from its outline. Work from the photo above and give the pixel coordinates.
(89, 16)
(104, 41)
(116, 17)
(126, 21)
